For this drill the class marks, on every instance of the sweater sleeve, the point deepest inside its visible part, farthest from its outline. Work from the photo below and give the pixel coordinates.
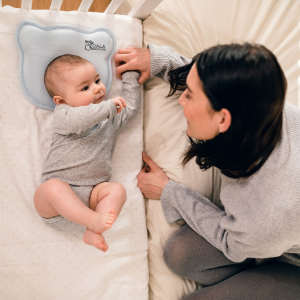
(68, 119)
(238, 236)
(132, 94)
(165, 59)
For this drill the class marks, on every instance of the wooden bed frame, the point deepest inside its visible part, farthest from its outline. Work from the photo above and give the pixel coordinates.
(141, 9)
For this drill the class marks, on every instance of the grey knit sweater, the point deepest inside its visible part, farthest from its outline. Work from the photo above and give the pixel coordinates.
(261, 216)
(84, 137)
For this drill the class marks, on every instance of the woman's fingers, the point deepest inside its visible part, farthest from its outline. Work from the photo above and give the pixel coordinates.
(121, 69)
(149, 162)
(143, 78)
(121, 58)
(133, 59)
(127, 50)
(151, 179)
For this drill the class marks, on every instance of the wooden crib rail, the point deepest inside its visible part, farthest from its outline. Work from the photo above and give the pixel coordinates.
(141, 9)
(85, 5)
(26, 4)
(56, 4)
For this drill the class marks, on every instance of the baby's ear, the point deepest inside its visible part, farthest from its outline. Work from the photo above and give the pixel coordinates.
(58, 100)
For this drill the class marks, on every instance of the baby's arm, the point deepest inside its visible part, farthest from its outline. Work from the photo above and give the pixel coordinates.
(120, 103)
(131, 93)
(68, 119)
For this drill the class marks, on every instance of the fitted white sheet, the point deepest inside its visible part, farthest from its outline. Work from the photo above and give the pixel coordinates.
(37, 262)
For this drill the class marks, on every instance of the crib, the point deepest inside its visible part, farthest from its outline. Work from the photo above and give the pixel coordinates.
(38, 263)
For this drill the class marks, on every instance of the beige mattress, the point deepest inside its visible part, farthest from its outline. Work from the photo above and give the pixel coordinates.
(190, 27)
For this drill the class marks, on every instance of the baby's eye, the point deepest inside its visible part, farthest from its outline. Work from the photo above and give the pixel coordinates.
(98, 81)
(85, 88)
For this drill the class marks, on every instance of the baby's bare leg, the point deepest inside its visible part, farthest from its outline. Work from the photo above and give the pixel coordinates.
(107, 199)
(55, 197)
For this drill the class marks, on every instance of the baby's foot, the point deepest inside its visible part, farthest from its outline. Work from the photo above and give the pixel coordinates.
(103, 221)
(95, 239)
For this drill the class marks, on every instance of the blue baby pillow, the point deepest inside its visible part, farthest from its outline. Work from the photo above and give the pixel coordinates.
(38, 45)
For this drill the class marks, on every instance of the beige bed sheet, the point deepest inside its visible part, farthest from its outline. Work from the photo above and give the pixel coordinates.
(189, 27)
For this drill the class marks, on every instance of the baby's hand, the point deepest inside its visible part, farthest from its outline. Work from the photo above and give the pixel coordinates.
(120, 103)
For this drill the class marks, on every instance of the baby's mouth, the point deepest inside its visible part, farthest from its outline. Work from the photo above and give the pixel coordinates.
(99, 99)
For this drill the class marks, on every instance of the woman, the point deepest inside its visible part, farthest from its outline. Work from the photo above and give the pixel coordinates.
(233, 101)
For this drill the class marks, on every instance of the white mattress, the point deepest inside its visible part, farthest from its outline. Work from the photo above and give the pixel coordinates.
(37, 262)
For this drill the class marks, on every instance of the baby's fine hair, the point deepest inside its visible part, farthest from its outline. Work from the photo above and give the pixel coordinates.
(55, 69)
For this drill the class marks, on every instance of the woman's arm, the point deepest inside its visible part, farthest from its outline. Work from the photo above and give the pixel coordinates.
(151, 61)
(165, 59)
(244, 234)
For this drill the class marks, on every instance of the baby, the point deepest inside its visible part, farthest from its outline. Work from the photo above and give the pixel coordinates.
(76, 194)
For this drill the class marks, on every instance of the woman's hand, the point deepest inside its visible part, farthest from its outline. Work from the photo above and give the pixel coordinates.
(151, 179)
(134, 59)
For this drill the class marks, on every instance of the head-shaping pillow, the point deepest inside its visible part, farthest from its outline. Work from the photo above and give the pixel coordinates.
(38, 45)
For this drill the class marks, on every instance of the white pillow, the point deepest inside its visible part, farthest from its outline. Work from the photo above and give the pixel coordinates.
(38, 45)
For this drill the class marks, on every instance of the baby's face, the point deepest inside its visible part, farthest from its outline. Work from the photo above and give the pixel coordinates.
(81, 85)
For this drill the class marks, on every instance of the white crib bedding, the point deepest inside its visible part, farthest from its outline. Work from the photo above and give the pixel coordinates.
(190, 27)
(37, 262)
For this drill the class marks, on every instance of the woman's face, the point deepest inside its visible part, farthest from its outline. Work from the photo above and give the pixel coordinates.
(203, 121)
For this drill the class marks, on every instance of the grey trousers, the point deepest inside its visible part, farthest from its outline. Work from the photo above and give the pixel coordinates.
(190, 256)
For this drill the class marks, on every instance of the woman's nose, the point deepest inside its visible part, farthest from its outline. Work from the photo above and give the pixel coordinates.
(181, 99)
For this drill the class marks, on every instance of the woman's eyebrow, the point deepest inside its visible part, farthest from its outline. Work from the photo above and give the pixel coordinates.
(189, 89)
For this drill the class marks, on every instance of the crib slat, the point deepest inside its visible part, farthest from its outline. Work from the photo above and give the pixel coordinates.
(26, 4)
(56, 4)
(113, 6)
(85, 5)
(143, 8)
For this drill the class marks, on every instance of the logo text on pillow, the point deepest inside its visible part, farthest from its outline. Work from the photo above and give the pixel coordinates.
(90, 45)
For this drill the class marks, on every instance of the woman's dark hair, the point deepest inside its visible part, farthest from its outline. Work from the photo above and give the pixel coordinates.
(247, 80)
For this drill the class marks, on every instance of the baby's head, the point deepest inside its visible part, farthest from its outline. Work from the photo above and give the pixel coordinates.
(72, 80)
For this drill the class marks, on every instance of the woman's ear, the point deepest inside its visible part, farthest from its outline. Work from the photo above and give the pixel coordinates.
(58, 100)
(225, 120)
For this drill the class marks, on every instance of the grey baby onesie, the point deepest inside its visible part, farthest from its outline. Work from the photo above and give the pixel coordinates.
(83, 142)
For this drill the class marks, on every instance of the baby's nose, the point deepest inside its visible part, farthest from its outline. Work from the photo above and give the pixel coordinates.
(96, 88)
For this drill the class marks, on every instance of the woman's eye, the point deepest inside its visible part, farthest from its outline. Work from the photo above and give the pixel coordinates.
(85, 88)
(97, 81)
